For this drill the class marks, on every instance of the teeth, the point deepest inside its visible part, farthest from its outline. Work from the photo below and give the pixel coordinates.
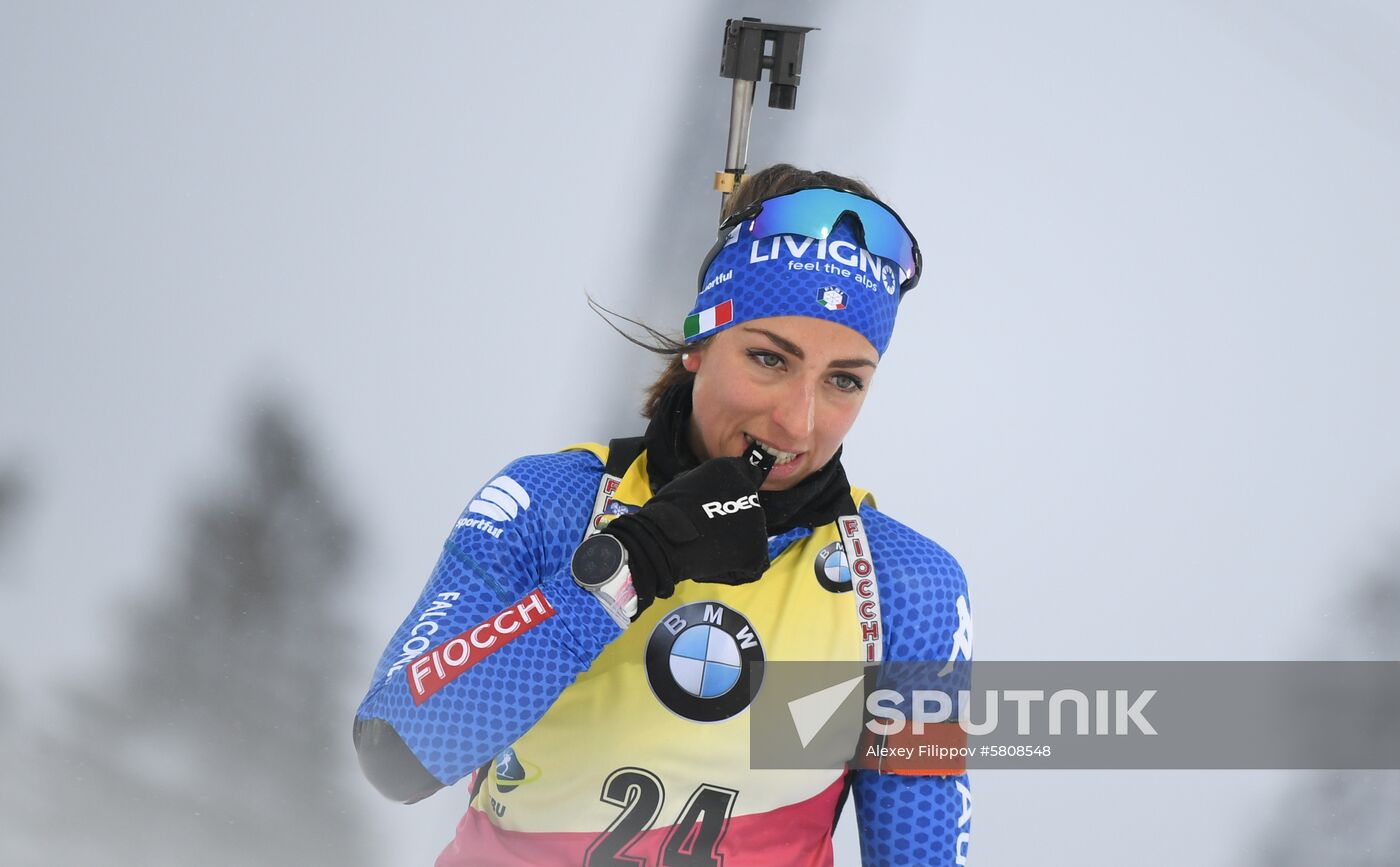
(782, 456)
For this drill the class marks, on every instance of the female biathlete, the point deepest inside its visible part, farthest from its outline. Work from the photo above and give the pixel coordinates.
(583, 650)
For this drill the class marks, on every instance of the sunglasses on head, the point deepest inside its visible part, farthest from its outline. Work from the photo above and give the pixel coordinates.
(814, 212)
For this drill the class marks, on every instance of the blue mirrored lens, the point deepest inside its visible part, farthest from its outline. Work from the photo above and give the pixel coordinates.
(813, 213)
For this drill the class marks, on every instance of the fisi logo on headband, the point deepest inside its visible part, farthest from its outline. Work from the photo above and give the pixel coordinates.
(832, 298)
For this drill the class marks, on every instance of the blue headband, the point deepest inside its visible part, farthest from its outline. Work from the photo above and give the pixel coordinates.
(831, 278)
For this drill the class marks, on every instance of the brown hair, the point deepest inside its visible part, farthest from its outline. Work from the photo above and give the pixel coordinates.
(776, 180)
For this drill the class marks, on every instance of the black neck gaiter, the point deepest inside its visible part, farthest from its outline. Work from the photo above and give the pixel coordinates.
(818, 499)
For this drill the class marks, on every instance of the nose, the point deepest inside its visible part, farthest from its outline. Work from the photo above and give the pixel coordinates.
(796, 412)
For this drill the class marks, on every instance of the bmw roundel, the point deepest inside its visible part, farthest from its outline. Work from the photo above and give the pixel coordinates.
(833, 570)
(698, 661)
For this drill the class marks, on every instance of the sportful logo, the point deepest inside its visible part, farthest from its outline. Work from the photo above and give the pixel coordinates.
(501, 500)
(716, 508)
(718, 279)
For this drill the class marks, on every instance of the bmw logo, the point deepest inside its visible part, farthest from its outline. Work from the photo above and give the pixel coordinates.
(833, 571)
(698, 661)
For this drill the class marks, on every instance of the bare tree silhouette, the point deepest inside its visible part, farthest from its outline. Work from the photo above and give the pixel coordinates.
(14, 491)
(1348, 818)
(220, 739)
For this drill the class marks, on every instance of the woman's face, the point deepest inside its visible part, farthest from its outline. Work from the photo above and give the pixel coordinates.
(793, 383)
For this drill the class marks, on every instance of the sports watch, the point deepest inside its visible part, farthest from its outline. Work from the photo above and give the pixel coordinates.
(599, 565)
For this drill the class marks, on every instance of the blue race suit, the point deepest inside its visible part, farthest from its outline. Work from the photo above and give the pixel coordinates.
(583, 748)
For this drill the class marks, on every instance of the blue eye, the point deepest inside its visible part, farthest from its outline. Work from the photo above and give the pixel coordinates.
(846, 382)
(770, 360)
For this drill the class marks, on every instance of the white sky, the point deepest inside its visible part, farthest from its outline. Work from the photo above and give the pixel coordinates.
(1145, 391)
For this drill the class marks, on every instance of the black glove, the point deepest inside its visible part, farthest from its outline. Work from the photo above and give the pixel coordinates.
(705, 525)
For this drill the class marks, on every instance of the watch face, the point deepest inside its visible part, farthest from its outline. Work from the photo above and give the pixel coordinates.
(596, 560)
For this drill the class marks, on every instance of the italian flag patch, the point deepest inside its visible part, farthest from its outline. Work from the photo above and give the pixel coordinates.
(708, 320)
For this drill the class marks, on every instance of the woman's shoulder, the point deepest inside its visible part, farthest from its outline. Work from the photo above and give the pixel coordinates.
(905, 547)
(531, 485)
(923, 592)
(575, 462)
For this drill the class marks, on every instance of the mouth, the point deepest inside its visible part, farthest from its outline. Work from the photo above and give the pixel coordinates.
(780, 457)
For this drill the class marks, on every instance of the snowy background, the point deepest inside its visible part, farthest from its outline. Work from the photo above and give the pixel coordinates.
(281, 287)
